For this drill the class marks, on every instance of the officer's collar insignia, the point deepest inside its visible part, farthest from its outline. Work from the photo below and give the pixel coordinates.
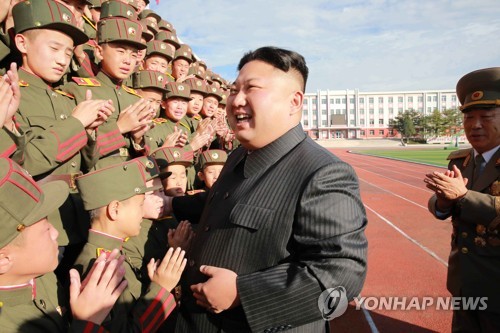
(101, 250)
(477, 95)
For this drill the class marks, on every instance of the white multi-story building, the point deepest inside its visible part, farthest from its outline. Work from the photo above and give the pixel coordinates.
(352, 114)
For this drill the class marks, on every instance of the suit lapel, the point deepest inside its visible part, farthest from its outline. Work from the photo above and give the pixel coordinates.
(489, 175)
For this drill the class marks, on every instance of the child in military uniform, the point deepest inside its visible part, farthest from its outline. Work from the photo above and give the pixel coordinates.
(58, 135)
(31, 297)
(119, 41)
(183, 57)
(115, 197)
(158, 56)
(211, 163)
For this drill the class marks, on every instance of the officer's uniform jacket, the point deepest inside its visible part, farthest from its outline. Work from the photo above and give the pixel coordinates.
(288, 219)
(139, 308)
(474, 263)
(56, 143)
(112, 146)
(35, 307)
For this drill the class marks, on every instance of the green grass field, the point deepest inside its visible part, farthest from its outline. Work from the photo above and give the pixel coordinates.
(429, 156)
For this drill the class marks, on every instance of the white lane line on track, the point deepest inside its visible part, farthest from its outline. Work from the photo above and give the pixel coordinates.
(434, 255)
(395, 180)
(370, 321)
(394, 194)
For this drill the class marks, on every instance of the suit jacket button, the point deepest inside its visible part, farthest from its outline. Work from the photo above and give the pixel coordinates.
(191, 262)
(207, 228)
(465, 250)
(464, 234)
(226, 195)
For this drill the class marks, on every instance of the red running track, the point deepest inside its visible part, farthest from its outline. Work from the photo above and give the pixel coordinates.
(407, 247)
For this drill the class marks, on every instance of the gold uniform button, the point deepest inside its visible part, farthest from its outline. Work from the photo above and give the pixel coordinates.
(63, 116)
(73, 164)
(54, 94)
(465, 250)
(464, 235)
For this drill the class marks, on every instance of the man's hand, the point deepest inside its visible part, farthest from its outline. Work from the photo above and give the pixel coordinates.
(181, 236)
(448, 186)
(93, 299)
(135, 116)
(219, 292)
(171, 139)
(168, 273)
(200, 140)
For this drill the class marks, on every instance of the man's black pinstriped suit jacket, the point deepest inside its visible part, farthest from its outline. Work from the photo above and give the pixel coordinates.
(288, 219)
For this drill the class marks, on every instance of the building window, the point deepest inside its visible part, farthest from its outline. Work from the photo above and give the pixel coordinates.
(410, 99)
(351, 111)
(381, 132)
(372, 132)
(381, 121)
(362, 100)
(380, 100)
(323, 112)
(400, 99)
(323, 101)
(435, 98)
(323, 122)
(453, 98)
(315, 101)
(370, 100)
(352, 122)
(343, 100)
(306, 122)
(351, 100)
(429, 110)
(400, 110)
(337, 101)
(391, 132)
(420, 99)
(361, 121)
(391, 100)
(443, 98)
(372, 111)
(391, 110)
(331, 100)
(361, 132)
(372, 122)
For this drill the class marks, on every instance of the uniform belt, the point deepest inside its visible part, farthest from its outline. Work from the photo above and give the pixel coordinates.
(68, 179)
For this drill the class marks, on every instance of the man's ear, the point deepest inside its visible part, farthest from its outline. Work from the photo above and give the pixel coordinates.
(163, 103)
(112, 210)
(201, 176)
(296, 102)
(5, 261)
(22, 43)
(98, 52)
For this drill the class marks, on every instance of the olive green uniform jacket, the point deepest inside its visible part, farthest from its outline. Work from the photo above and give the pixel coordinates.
(474, 263)
(139, 308)
(56, 144)
(112, 146)
(37, 308)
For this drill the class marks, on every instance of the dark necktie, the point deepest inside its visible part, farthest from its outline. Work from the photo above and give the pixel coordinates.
(479, 164)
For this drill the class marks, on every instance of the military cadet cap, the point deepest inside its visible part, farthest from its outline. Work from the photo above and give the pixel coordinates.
(96, 3)
(133, 3)
(223, 94)
(196, 85)
(165, 25)
(147, 34)
(119, 29)
(149, 13)
(212, 157)
(23, 202)
(178, 89)
(47, 14)
(212, 90)
(184, 52)
(196, 71)
(479, 89)
(208, 76)
(159, 48)
(117, 182)
(168, 37)
(149, 79)
(116, 8)
(217, 78)
(166, 156)
(201, 63)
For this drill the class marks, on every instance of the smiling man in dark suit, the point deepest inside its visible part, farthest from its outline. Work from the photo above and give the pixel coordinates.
(283, 222)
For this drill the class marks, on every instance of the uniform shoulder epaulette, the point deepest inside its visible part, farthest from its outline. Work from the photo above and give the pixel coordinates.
(462, 153)
(86, 81)
(197, 117)
(170, 75)
(23, 83)
(130, 90)
(64, 93)
(160, 120)
(89, 21)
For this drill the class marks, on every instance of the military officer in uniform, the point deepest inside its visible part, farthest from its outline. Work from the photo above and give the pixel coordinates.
(469, 192)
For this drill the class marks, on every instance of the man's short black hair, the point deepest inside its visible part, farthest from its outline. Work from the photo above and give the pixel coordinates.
(282, 59)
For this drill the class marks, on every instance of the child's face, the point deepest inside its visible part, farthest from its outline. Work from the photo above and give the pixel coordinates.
(210, 174)
(156, 63)
(210, 104)
(47, 54)
(130, 216)
(180, 68)
(153, 201)
(118, 59)
(154, 96)
(175, 185)
(195, 104)
(39, 242)
(175, 108)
